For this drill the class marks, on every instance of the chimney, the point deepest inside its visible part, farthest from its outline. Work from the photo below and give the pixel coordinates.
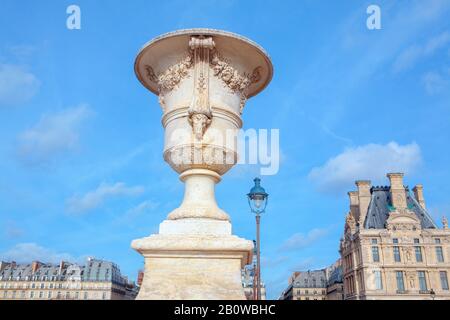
(61, 266)
(364, 196)
(398, 193)
(35, 266)
(418, 194)
(354, 204)
(3, 265)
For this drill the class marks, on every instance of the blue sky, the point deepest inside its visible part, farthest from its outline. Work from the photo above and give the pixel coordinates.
(81, 149)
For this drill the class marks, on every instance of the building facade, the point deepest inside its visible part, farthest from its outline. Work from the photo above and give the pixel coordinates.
(307, 285)
(97, 280)
(392, 248)
(335, 284)
(249, 285)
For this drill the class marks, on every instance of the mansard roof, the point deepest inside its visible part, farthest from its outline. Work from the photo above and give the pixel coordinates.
(94, 270)
(380, 206)
(336, 276)
(310, 279)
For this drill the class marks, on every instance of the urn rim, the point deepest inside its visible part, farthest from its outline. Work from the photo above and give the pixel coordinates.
(151, 48)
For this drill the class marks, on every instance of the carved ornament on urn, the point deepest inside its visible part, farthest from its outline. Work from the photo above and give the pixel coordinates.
(203, 78)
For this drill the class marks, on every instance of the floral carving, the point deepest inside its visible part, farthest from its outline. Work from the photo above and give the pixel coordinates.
(174, 74)
(170, 78)
(231, 77)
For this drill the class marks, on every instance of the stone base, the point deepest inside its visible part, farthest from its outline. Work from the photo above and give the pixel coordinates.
(193, 259)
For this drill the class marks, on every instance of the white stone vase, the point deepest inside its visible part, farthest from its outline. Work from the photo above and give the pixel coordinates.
(203, 78)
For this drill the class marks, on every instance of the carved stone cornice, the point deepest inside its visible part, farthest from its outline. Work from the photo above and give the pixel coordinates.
(402, 220)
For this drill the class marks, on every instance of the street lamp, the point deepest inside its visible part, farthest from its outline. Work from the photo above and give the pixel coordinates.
(257, 200)
(432, 294)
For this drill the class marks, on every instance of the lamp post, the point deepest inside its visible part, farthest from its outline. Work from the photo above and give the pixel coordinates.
(432, 294)
(255, 296)
(257, 200)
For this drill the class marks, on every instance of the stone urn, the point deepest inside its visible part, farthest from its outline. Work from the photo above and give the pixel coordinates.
(203, 78)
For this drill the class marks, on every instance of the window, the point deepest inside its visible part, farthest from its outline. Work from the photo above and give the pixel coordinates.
(42, 286)
(416, 241)
(375, 254)
(22, 294)
(51, 285)
(400, 283)
(444, 280)
(5, 294)
(306, 291)
(422, 281)
(49, 295)
(418, 251)
(32, 294)
(33, 286)
(104, 296)
(14, 294)
(41, 295)
(77, 294)
(439, 254)
(85, 296)
(378, 280)
(397, 254)
(395, 240)
(67, 295)
(437, 241)
(374, 241)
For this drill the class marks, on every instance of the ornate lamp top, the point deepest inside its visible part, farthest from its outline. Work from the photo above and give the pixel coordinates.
(257, 197)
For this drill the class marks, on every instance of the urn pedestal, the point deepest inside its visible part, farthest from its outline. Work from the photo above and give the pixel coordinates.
(203, 78)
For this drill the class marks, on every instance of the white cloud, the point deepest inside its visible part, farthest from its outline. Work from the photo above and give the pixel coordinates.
(434, 83)
(52, 135)
(17, 85)
(303, 265)
(28, 252)
(300, 240)
(135, 212)
(412, 54)
(93, 199)
(370, 161)
(272, 262)
(12, 231)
